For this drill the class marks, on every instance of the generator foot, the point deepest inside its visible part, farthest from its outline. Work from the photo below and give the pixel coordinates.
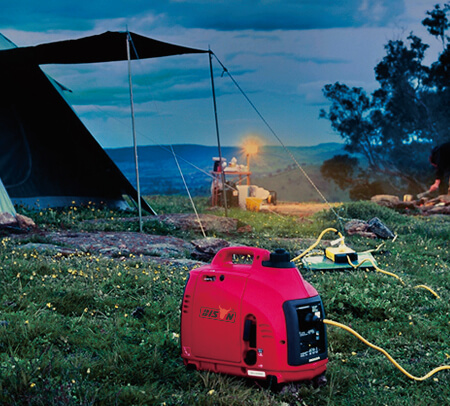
(319, 381)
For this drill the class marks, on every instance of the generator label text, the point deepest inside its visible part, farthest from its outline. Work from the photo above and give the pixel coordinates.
(222, 314)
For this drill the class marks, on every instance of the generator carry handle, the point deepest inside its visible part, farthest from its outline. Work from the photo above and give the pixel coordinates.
(225, 256)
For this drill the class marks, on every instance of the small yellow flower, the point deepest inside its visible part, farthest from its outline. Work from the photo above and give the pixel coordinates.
(116, 306)
(88, 371)
(32, 385)
(26, 321)
(211, 392)
(49, 305)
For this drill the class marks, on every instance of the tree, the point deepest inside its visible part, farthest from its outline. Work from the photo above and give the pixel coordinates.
(394, 126)
(438, 23)
(341, 168)
(344, 170)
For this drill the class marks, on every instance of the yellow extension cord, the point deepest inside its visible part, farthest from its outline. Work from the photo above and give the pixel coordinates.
(416, 378)
(317, 242)
(390, 274)
(336, 324)
(359, 264)
(376, 268)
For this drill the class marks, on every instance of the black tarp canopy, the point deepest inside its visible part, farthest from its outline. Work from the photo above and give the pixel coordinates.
(107, 47)
(47, 155)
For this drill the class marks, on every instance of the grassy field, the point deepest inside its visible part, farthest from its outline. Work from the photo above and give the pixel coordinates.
(70, 335)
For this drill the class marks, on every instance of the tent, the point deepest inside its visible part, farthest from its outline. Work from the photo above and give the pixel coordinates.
(48, 158)
(6, 205)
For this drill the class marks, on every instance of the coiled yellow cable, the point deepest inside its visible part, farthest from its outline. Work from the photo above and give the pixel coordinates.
(422, 378)
(360, 263)
(317, 242)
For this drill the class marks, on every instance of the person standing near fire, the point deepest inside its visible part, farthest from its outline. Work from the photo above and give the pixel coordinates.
(440, 159)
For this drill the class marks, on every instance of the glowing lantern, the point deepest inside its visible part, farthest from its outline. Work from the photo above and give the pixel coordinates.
(251, 146)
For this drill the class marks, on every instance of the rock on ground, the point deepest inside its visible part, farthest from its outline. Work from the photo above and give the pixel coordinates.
(20, 221)
(373, 228)
(123, 244)
(206, 248)
(209, 222)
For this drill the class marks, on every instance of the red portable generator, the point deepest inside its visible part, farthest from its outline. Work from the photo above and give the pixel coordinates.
(259, 320)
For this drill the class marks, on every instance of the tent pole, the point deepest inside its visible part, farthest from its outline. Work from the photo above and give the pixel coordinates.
(217, 133)
(134, 135)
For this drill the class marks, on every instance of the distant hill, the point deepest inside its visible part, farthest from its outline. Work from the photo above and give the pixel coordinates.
(272, 168)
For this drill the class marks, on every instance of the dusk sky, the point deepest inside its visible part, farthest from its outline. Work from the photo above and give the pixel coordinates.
(281, 53)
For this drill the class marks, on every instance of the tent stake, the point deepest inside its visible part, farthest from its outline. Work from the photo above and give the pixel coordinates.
(134, 135)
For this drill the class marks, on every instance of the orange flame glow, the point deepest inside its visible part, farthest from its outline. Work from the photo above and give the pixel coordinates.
(251, 145)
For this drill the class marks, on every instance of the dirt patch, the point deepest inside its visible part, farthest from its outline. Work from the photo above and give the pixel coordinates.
(298, 209)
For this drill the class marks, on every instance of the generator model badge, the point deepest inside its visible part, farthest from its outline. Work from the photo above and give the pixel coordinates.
(222, 314)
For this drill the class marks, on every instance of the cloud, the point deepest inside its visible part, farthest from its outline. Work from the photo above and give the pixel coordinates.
(280, 14)
(56, 15)
(222, 15)
(288, 55)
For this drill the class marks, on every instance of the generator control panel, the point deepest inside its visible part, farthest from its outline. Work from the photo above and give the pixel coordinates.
(307, 341)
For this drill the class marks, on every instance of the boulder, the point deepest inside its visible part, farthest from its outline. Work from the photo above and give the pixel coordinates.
(206, 248)
(25, 222)
(209, 222)
(373, 228)
(7, 220)
(379, 229)
(359, 227)
(123, 244)
(386, 200)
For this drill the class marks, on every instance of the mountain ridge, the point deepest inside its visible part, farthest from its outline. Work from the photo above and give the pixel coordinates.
(272, 167)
